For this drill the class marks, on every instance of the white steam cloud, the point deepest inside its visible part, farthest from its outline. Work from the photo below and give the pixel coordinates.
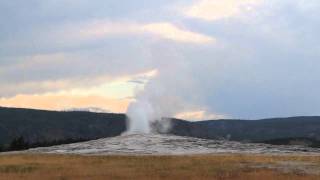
(162, 96)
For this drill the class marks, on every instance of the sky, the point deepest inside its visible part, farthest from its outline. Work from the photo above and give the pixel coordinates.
(192, 59)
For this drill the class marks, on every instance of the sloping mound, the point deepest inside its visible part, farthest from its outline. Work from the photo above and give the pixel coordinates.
(158, 144)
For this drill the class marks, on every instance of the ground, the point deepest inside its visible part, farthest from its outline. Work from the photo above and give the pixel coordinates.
(223, 166)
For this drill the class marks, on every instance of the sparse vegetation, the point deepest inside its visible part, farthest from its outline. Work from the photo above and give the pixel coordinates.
(244, 167)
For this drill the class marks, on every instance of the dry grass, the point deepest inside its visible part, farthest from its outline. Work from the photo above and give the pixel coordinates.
(65, 167)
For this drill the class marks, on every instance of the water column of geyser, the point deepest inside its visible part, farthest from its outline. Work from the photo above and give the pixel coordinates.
(159, 98)
(140, 116)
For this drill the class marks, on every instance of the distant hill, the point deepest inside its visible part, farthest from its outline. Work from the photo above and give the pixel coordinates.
(45, 126)
(54, 127)
(249, 130)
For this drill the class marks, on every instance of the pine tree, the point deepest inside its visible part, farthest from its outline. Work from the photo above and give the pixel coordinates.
(18, 144)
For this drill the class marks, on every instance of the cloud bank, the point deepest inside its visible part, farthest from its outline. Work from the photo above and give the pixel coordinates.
(211, 10)
(214, 59)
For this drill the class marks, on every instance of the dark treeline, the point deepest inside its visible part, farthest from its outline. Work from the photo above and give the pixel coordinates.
(19, 143)
(310, 142)
(48, 126)
(291, 129)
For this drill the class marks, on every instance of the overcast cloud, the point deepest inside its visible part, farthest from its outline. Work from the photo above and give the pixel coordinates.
(234, 58)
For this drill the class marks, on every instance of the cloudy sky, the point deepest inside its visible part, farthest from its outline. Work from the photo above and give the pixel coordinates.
(194, 59)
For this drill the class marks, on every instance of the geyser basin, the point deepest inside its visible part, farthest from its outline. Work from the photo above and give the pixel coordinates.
(158, 144)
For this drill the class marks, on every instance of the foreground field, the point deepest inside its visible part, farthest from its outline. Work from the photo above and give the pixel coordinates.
(64, 167)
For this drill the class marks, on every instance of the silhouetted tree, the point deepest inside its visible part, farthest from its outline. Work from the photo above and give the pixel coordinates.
(18, 144)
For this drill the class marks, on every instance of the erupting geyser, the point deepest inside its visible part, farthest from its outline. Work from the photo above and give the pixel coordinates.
(140, 115)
